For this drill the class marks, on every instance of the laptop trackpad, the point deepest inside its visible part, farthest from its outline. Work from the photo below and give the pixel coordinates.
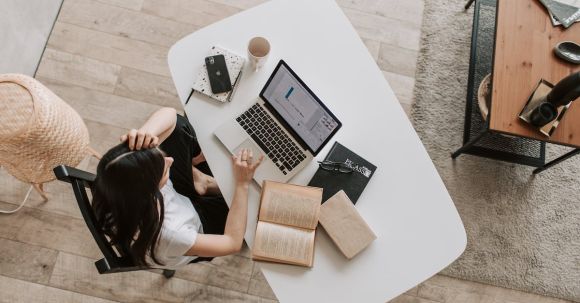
(249, 144)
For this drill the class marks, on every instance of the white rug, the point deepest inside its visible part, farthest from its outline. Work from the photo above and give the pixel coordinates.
(523, 231)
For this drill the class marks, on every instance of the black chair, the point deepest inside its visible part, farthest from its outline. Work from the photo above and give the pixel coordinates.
(112, 262)
(478, 139)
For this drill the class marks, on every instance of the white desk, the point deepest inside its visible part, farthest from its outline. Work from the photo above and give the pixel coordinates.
(406, 204)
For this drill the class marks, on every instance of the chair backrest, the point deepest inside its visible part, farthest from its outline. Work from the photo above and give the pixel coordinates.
(80, 181)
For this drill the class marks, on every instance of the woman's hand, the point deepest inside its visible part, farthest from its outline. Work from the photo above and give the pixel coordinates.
(244, 166)
(138, 139)
(155, 130)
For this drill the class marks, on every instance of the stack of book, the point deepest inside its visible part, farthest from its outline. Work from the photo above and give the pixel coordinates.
(234, 63)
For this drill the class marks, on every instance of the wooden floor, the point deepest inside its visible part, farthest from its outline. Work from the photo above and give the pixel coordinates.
(107, 58)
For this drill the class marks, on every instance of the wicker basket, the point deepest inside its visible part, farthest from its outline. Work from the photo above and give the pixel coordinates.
(38, 130)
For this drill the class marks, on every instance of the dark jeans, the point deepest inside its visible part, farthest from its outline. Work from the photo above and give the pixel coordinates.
(182, 145)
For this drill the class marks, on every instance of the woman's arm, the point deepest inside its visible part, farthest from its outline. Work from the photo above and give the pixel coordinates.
(233, 237)
(157, 128)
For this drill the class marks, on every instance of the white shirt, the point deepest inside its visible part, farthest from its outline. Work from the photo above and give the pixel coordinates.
(181, 225)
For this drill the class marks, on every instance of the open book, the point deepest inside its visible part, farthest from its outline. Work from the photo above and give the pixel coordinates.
(287, 223)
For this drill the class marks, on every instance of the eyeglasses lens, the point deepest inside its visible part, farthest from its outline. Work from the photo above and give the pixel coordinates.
(333, 166)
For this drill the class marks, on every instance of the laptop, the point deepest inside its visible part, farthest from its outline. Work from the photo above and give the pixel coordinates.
(288, 124)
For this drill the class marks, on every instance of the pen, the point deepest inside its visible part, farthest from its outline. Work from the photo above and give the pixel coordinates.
(189, 97)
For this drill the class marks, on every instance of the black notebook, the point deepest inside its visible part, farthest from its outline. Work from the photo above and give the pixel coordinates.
(353, 183)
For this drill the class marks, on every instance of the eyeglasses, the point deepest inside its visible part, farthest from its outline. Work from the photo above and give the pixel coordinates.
(335, 166)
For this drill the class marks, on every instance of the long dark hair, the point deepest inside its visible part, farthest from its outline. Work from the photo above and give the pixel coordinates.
(127, 202)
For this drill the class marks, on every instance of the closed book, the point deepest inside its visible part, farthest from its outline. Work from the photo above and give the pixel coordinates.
(345, 226)
(352, 183)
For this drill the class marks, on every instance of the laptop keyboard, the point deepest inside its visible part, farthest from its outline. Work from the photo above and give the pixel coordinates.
(271, 138)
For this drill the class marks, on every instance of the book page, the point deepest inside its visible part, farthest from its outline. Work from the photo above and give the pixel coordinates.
(291, 205)
(284, 243)
(344, 225)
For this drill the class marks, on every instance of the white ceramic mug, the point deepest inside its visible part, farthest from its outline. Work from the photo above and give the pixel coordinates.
(258, 51)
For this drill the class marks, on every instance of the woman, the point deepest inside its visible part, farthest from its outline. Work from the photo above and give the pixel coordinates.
(155, 199)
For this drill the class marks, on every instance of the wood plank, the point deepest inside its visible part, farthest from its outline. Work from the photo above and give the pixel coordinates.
(412, 299)
(229, 272)
(129, 4)
(78, 70)
(517, 72)
(209, 294)
(407, 11)
(18, 291)
(241, 4)
(123, 22)
(56, 232)
(258, 284)
(199, 13)
(147, 87)
(374, 47)
(102, 107)
(406, 109)
(103, 137)
(60, 195)
(10, 224)
(386, 30)
(78, 274)
(397, 60)
(109, 48)
(402, 86)
(25, 262)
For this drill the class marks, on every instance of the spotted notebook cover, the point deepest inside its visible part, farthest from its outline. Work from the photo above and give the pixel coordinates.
(234, 62)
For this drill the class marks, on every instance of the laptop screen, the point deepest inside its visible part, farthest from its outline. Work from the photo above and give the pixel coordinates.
(299, 107)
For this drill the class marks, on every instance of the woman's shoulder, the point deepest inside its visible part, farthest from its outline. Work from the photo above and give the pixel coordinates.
(168, 192)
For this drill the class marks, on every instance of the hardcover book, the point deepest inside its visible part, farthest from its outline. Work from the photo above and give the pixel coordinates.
(287, 222)
(353, 183)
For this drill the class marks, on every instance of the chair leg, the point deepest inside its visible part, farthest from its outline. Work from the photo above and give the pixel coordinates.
(556, 161)
(40, 189)
(168, 273)
(468, 4)
(467, 145)
(94, 153)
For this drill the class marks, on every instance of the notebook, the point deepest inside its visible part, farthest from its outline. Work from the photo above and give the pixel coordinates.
(353, 183)
(235, 64)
